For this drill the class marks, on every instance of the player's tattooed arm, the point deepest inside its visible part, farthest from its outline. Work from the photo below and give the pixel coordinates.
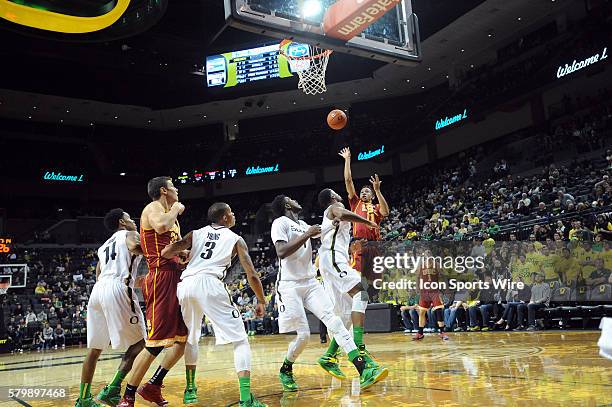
(348, 177)
(163, 221)
(286, 249)
(249, 268)
(133, 242)
(177, 247)
(337, 212)
(384, 206)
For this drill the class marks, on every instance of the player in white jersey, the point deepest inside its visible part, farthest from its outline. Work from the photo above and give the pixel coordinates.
(297, 287)
(203, 292)
(342, 282)
(113, 312)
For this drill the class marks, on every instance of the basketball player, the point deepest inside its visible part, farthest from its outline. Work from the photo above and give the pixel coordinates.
(428, 273)
(113, 314)
(297, 287)
(166, 329)
(362, 205)
(202, 291)
(342, 282)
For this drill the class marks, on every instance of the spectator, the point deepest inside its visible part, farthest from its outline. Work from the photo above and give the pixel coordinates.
(48, 336)
(41, 316)
(540, 298)
(40, 289)
(30, 317)
(59, 336)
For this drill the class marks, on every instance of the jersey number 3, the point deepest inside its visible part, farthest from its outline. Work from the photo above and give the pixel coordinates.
(209, 248)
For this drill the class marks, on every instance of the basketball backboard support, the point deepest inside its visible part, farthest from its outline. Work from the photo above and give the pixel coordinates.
(394, 38)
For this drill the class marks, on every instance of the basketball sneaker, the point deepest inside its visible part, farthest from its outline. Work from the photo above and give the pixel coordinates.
(444, 336)
(252, 402)
(418, 337)
(190, 396)
(110, 395)
(152, 393)
(126, 401)
(329, 363)
(365, 354)
(287, 381)
(371, 376)
(88, 402)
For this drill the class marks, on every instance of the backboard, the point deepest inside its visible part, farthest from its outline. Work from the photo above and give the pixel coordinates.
(394, 38)
(15, 274)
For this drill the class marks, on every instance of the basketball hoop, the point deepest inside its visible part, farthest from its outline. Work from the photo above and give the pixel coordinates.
(310, 66)
(4, 288)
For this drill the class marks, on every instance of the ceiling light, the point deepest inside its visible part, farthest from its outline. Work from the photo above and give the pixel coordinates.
(91, 124)
(34, 107)
(29, 117)
(429, 68)
(122, 174)
(180, 120)
(356, 93)
(61, 120)
(67, 110)
(462, 50)
(385, 89)
(311, 8)
(519, 19)
(116, 117)
(423, 87)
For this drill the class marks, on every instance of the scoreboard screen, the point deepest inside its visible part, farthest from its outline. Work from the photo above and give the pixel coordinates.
(250, 65)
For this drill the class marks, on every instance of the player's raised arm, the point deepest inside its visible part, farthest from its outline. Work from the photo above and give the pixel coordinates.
(249, 268)
(175, 248)
(348, 177)
(338, 212)
(384, 206)
(286, 249)
(163, 221)
(132, 239)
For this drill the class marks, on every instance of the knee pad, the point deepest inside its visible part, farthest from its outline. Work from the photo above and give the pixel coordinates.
(360, 302)
(242, 356)
(191, 354)
(154, 350)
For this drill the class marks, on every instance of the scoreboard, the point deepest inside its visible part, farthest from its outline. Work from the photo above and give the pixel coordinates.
(250, 65)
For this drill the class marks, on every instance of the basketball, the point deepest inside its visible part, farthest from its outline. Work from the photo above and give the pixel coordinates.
(336, 119)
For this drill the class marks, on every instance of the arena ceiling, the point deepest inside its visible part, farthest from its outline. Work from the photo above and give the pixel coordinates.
(148, 80)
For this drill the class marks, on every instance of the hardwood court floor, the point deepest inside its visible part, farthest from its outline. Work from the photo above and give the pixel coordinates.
(472, 369)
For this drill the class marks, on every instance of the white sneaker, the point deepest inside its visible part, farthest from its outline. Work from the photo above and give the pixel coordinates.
(55, 347)
(407, 331)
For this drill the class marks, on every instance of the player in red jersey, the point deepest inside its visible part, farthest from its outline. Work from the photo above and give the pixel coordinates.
(429, 296)
(363, 206)
(159, 227)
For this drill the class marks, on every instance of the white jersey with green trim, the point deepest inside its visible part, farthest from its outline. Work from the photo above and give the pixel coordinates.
(335, 238)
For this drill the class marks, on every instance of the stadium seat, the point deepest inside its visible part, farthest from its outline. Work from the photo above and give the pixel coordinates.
(561, 295)
(601, 293)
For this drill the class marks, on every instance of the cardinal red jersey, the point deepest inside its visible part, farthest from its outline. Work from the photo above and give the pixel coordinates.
(370, 212)
(153, 243)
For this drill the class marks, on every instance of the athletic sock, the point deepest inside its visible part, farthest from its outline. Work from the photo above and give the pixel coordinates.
(332, 348)
(118, 379)
(420, 330)
(441, 329)
(130, 391)
(287, 366)
(85, 392)
(190, 377)
(358, 335)
(158, 377)
(357, 360)
(245, 388)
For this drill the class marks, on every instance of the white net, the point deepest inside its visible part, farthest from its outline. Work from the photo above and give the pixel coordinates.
(311, 69)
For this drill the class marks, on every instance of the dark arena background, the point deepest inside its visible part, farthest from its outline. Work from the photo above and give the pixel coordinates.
(474, 133)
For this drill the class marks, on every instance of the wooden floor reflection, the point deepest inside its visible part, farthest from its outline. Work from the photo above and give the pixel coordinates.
(472, 369)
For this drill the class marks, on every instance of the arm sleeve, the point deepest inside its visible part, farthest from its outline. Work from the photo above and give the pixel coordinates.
(279, 231)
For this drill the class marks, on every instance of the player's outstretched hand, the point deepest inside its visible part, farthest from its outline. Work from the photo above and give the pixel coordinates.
(179, 206)
(260, 310)
(314, 230)
(375, 181)
(345, 153)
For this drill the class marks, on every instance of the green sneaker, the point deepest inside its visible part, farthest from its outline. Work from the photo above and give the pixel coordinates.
(485, 329)
(372, 375)
(110, 395)
(252, 402)
(330, 365)
(88, 402)
(287, 381)
(190, 396)
(365, 354)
